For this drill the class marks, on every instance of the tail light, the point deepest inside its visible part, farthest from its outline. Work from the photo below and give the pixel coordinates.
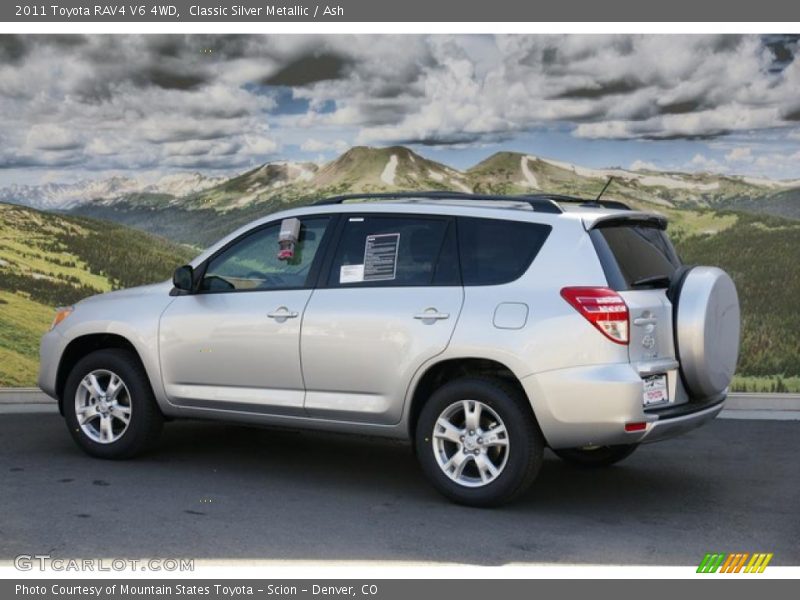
(633, 427)
(602, 307)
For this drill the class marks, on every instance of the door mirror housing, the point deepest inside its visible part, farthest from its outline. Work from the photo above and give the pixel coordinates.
(183, 278)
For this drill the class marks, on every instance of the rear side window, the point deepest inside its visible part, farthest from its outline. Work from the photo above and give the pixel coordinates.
(635, 255)
(395, 251)
(494, 251)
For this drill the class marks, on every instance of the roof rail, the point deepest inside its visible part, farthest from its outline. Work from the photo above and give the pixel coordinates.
(537, 203)
(546, 203)
(584, 202)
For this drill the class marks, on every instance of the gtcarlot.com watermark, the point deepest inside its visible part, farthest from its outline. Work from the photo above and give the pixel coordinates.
(45, 562)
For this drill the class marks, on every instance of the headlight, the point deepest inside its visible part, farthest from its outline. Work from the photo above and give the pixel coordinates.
(61, 314)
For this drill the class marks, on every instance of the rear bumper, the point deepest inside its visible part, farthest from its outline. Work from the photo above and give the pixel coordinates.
(589, 406)
(680, 419)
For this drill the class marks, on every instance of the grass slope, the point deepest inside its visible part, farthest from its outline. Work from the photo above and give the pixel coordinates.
(196, 227)
(47, 260)
(762, 254)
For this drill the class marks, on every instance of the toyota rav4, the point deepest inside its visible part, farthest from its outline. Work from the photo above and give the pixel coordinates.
(482, 328)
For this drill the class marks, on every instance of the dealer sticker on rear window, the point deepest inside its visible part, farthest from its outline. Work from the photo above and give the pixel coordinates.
(655, 390)
(380, 256)
(351, 274)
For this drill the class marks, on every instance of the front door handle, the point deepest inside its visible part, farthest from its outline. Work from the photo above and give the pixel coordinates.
(432, 314)
(282, 313)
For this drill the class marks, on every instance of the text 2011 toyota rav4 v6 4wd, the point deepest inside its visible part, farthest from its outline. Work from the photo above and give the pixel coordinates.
(482, 328)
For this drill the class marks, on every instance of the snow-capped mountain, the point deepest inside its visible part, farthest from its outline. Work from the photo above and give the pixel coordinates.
(61, 196)
(396, 168)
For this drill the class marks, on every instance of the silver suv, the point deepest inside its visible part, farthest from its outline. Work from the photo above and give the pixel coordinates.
(482, 328)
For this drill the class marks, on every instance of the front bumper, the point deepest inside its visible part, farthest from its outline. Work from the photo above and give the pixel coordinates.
(589, 406)
(50, 350)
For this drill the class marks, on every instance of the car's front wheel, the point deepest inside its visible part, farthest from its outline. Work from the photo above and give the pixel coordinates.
(601, 456)
(109, 406)
(478, 443)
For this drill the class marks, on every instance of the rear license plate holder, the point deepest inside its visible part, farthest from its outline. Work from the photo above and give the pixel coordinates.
(655, 391)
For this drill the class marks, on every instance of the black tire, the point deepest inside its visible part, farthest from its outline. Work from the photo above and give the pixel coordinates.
(525, 448)
(146, 419)
(602, 456)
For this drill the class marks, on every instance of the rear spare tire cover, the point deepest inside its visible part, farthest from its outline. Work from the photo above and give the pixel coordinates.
(707, 324)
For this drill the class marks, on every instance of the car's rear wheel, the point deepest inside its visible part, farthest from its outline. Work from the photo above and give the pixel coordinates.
(109, 406)
(600, 456)
(478, 443)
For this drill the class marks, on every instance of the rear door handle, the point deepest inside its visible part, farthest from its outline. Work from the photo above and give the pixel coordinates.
(432, 314)
(639, 321)
(282, 313)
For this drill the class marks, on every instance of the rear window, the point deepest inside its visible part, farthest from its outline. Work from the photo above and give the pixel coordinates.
(494, 251)
(377, 251)
(635, 255)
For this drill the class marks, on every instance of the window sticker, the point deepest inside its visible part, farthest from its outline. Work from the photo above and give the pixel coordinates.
(380, 257)
(351, 274)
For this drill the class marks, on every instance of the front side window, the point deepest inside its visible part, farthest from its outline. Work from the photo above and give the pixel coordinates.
(395, 251)
(252, 263)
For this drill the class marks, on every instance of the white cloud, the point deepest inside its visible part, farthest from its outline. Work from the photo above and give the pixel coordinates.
(315, 145)
(260, 144)
(643, 165)
(783, 161)
(701, 162)
(50, 137)
(138, 102)
(740, 154)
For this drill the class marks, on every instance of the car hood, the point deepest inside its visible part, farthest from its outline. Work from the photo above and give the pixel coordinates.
(129, 293)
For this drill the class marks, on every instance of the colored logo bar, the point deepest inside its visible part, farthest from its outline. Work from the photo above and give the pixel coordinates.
(734, 563)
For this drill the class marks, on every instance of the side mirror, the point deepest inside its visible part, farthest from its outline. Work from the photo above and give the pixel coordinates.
(183, 278)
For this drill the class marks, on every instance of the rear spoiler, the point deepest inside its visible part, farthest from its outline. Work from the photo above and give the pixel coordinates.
(628, 217)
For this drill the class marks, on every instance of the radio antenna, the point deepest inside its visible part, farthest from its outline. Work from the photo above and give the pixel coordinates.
(605, 187)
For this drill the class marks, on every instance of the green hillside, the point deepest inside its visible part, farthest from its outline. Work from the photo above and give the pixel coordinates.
(360, 169)
(784, 203)
(199, 227)
(48, 260)
(251, 187)
(516, 173)
(762, 254)
(203, 218)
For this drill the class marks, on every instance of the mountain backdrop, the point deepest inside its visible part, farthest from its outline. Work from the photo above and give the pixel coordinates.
(749, 226)
(176, 205)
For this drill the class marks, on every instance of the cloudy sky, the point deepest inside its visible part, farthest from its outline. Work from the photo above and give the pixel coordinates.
(89, 106)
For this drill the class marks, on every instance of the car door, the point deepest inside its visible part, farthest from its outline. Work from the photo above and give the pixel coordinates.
(235, 343)
(388, 301)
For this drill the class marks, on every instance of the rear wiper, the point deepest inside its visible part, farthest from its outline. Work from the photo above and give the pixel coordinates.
(652, 281)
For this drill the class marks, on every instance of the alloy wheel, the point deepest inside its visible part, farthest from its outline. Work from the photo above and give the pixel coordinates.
(103, 406)
(470, 443)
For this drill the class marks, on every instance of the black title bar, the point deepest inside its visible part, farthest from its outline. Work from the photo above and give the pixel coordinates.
(178, 11)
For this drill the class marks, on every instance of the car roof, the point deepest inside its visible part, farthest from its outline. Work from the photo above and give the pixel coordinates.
(510, 208)
(517, 208)
(539, 202)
